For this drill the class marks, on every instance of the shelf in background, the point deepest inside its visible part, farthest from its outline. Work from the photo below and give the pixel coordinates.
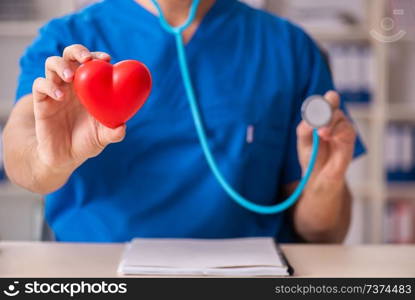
(405, 190)
(20, 28)
(360, 191)
(9, 190)
(5, 109)
(401, 112)
(360, 111)
(352, 35)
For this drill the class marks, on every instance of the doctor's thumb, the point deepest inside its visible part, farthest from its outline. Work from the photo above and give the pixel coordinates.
(110, 135)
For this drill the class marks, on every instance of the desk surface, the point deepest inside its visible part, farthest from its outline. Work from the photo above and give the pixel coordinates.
(27, 259)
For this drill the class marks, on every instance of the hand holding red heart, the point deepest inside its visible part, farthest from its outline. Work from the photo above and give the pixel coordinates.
(67, 133)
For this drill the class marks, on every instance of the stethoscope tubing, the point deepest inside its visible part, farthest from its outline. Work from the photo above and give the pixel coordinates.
(200, 130)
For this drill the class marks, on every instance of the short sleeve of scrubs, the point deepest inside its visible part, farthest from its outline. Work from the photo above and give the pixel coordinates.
(33, 60)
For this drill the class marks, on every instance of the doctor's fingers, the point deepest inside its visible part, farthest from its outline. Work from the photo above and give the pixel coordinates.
(43, 88)
(61, 70)
(304, 134)
(326, 132)
(101, 55)
(77, 53)
(81, 54)
(344, 132)
(333, 98)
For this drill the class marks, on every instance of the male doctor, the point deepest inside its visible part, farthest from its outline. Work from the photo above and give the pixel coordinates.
(149, 178)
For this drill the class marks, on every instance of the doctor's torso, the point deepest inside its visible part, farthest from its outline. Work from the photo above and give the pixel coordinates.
(250, 74)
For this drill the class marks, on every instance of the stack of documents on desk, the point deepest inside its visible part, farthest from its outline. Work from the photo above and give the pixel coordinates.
(196, 257)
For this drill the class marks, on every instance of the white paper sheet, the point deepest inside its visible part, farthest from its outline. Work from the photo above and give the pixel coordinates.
(234, 257)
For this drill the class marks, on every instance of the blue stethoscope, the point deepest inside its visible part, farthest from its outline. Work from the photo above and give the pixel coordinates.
(315, 110)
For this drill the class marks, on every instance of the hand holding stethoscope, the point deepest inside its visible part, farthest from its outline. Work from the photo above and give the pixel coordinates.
(337, 140)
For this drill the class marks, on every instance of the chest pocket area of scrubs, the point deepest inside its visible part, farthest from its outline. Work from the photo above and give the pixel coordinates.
(265, 152)
(251, 151)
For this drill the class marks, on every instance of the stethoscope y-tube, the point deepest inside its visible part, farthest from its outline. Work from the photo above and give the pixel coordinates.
(316, 111)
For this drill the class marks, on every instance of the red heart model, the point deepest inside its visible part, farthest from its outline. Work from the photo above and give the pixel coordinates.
(112, 94)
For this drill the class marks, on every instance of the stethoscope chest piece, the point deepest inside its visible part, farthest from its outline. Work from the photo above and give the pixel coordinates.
(316, 111)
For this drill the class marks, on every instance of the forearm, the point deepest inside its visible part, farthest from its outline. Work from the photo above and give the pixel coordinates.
(21, 159)
(323, 213)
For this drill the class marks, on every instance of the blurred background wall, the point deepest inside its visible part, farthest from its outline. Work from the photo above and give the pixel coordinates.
(371, 47)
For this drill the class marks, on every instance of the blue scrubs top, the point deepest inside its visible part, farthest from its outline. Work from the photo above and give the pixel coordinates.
(251, 71)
